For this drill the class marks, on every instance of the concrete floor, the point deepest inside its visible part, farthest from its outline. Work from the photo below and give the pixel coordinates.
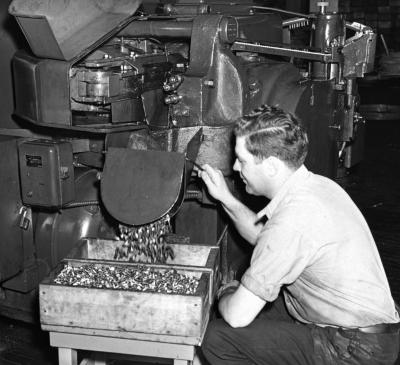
(374, 186)
(24, 344)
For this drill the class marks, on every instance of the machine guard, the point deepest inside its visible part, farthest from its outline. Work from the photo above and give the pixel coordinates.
(192, 151)
(141, 186)
(67, 30)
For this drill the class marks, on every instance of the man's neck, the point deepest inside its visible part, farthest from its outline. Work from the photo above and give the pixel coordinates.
(280, 179)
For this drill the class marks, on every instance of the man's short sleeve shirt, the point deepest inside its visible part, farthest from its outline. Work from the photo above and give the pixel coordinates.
(317, 245)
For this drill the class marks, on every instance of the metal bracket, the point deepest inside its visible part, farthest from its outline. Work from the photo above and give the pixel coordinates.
(25, 213)
(332, 57)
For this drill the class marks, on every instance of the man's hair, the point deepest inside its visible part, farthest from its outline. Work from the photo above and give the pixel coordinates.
(269, 131)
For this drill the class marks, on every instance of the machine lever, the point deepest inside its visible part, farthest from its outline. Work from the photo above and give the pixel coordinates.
(194, 163)
(24, 221)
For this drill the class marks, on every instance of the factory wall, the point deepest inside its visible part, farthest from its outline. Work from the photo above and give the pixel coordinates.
(382, 15)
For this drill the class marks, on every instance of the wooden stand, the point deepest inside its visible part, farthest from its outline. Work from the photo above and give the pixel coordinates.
(69, 343)
(128, 322)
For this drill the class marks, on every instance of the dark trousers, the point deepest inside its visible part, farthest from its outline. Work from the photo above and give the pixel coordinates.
(274, 338)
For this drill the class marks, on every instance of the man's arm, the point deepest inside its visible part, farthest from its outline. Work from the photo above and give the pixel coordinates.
(245, 220)
(240, 307)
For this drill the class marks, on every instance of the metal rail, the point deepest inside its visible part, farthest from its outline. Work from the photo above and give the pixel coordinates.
(332, 57)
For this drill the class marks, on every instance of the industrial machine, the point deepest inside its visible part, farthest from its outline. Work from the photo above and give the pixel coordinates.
(116, 100)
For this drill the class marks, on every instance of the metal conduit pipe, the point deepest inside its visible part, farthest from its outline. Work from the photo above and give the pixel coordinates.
(193, 194)
(164, 28)
(81, 204)
(190, 194)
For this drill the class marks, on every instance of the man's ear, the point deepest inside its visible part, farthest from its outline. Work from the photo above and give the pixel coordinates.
(272, 166)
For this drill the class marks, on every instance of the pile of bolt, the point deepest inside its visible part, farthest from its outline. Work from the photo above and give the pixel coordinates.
(145, 243)
(138, 278)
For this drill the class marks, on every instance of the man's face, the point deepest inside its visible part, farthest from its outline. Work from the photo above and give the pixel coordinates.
(249, 168)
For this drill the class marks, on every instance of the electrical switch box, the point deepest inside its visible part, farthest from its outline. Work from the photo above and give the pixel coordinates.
(46, 173)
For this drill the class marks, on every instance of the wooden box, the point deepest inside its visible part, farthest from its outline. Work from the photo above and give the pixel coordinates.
(180, 318)
(186, 254)
(174, 318)
(193, 257)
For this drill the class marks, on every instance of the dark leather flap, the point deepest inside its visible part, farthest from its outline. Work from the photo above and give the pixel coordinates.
(141, 186)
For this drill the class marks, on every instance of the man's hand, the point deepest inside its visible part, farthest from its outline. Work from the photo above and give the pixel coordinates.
(215, 183)
(245, 220)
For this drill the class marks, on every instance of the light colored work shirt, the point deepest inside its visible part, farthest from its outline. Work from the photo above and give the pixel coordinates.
(317, 244)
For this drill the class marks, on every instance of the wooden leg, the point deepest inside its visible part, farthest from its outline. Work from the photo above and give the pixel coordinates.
(182, 362)
(67, 356)
(100, 362)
